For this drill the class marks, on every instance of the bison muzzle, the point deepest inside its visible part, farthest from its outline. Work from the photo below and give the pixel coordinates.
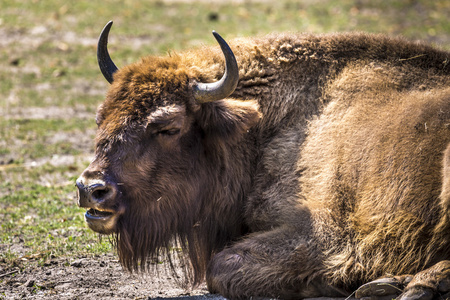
(305, 166)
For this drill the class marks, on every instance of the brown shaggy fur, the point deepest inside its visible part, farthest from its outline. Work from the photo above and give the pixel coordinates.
(328, 167)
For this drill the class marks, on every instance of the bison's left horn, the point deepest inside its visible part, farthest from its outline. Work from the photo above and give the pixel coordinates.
(207, 92)
(105, 63)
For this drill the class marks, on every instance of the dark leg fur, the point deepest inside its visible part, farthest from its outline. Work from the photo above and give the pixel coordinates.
(275, 264)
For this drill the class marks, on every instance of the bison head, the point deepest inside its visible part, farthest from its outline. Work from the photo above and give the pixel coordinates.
(171, 156)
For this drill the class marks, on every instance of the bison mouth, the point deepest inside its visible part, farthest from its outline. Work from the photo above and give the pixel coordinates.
(97, 214)
(101, 221)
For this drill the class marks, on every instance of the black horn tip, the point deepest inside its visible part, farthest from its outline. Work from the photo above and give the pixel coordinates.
(105, 63)
(219, 38)
(108, 26)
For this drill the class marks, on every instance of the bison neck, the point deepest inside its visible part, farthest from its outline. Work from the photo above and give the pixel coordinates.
(225, 182)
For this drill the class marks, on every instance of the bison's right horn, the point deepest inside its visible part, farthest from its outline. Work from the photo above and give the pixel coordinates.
(105, 63)
(207, 92)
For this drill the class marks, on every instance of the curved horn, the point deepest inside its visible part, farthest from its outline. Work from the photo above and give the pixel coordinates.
(105, 63)
(208, 92)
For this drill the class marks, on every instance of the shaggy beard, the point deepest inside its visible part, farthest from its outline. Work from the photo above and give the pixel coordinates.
(143, 242)
(186, 228)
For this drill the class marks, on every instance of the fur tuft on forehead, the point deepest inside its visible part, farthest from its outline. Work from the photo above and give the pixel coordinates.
(162, 114)
(161, 72)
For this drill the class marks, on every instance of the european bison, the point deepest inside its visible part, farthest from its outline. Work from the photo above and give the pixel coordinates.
(314, 165)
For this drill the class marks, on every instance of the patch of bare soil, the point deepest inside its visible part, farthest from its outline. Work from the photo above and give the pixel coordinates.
(89, 278)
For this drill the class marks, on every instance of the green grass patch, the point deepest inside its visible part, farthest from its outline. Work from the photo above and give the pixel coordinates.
(41, 220)
(30, 139)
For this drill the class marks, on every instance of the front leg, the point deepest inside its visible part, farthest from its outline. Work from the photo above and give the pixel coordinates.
(430, 283)
(276, 264)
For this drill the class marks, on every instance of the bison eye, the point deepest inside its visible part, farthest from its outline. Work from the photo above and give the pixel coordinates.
(169, 132)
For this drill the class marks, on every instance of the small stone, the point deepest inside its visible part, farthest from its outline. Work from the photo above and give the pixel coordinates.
(29, 283)
(15, 61)
(63, 287)
(213, 16)
(77, 263)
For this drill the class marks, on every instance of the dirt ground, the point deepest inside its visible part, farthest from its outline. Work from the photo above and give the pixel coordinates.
(90, 278)
(99, 277)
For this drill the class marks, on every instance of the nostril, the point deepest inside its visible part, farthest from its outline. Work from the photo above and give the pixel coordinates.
(100, 193)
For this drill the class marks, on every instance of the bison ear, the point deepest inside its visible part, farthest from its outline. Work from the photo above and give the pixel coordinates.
(229, 118)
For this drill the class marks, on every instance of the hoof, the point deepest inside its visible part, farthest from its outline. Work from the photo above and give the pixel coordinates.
(379, 288)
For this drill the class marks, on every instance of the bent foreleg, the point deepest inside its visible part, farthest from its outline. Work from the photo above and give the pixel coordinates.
(275, 264)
